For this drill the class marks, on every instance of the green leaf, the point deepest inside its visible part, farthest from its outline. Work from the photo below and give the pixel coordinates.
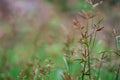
(105, 51)
(85, 41)
(66, 64)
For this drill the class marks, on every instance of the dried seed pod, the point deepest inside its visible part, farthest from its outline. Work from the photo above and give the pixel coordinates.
(97, 4)
(82, 15)
(94, 3)
(86, 15)
(77, 24)
(99, 29)
(114, 32)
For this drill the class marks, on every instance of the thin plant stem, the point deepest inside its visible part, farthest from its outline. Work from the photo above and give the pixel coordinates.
(118, 72)
(98, 75)
(91, 36)
(87, 26)
(84, 70)
(95, 33)
(89, 66)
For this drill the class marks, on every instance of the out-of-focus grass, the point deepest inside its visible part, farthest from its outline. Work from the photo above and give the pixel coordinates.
(15, 59)
(48, 46)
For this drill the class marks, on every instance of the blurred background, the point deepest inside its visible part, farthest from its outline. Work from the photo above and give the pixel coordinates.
(30, 28)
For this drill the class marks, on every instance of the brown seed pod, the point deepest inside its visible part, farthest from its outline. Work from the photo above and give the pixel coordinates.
(99, 29)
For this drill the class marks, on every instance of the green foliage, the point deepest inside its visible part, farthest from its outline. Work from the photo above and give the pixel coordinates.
(61, 4)
(83, 6)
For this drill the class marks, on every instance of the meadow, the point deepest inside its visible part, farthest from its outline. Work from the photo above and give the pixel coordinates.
(61, 40)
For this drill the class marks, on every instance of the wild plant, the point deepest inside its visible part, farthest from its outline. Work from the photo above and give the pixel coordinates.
(86, 54)
(36, 70)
